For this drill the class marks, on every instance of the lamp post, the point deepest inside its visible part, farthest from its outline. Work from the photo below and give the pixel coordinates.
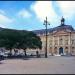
(46, 23)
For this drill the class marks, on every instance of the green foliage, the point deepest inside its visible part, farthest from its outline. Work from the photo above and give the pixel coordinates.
(19, 39)
(8, 38)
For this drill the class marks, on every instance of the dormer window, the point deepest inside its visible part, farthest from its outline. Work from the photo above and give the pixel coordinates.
(54, 31)
(68, 30)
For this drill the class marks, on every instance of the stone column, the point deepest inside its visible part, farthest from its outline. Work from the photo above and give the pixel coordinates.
(48, 45)
(58, 45)
(53, 45)
(70, 43)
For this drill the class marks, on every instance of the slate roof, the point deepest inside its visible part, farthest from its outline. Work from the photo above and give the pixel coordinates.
(58, 28)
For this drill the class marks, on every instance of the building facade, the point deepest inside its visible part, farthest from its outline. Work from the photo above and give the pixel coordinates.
(61, 39)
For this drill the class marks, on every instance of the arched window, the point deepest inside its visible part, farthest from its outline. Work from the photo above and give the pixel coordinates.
(73, 42)
(50, 42)
(55, 50)
(56, 42)
(72, 49)
(60, 40)
(66, 50)
(66, 42)
(50, 50)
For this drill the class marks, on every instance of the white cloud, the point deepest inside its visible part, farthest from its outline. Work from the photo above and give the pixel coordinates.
(2, 12)
(4, 20)
(67, 8)
(24, 13)
(43, 9)
(3, 26)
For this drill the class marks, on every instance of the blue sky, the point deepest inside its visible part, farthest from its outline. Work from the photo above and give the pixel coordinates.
(29, 15)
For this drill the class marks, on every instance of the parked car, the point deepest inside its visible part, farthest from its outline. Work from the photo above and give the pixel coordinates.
(5, 54)
(1, 57)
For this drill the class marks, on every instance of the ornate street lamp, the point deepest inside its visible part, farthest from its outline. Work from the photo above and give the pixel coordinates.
(46, 23)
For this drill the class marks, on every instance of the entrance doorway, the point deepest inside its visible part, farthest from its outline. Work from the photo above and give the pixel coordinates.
(60, 50)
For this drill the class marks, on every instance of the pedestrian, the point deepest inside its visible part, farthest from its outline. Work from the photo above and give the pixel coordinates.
(37, 53)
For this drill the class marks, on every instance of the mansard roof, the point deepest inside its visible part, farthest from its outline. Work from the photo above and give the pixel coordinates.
(58, 28)
(62, 26)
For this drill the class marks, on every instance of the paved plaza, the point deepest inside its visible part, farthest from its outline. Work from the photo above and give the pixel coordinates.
(50, 65)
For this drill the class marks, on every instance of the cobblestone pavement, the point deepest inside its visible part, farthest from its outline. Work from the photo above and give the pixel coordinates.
(50, 65)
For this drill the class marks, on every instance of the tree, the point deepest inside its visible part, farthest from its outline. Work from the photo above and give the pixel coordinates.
(30, 40)
(8, 38)
(19, 39)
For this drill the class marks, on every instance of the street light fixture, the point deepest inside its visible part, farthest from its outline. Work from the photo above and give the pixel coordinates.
(46, 23)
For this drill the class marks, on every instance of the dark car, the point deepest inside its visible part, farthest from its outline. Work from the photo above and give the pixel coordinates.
(1, 57)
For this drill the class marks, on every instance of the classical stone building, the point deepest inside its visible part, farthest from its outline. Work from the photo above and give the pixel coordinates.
(61, 39)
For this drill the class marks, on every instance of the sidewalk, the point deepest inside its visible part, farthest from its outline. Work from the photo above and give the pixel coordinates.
(50, 65)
